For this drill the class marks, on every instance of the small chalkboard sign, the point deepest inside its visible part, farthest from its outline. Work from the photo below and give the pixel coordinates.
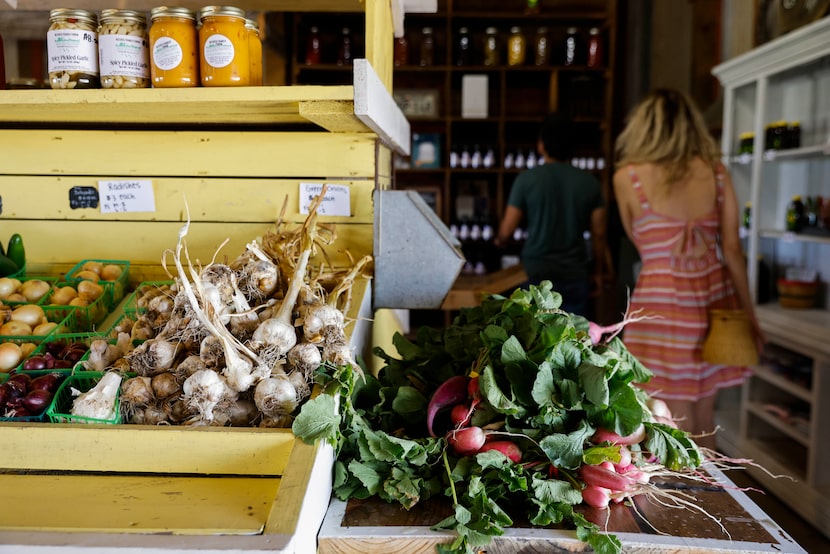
(83, 197)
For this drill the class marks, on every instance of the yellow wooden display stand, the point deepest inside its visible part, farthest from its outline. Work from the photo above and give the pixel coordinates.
(228, 158)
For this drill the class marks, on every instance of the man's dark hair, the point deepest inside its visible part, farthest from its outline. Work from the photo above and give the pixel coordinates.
(556, 135)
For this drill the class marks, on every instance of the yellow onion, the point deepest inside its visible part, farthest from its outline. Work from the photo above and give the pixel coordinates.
(90, 290)
(93, 266)
(30, 314)
(88, 276)
(15, 329)
(8, 286)
(63, 296)
(10, 356)
(44, 329)
(111, 272)
(34, 289)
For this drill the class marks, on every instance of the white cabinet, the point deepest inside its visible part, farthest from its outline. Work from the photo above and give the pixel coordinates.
(784, 409)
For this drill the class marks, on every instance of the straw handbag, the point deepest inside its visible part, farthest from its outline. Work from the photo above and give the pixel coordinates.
(729, 340)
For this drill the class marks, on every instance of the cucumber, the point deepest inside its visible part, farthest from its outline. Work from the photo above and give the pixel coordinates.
(16, 252)
(7, 266)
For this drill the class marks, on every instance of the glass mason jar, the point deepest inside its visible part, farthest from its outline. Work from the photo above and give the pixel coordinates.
(122, 49)
(491, 46)
(570, 46)
(516, 47)
(174, 48)
(344, 51)
(596, 52)
(401, 56)
(254, 51)
(462, 56)
(541, 47)
(312, 47)
(72, 49)
(223, 43)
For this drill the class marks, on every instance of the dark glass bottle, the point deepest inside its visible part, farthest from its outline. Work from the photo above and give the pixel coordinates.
(312, 48)
(344, 54)
(462, 55)
(401, 51)
(796, 216)
(427, 47)
(596, 52)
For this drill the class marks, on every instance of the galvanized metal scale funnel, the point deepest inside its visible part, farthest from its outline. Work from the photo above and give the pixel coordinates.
(417, 260)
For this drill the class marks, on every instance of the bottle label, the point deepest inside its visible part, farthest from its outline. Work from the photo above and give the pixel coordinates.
(219, 51)
(73, 50)
(124, 55)
(167, 53)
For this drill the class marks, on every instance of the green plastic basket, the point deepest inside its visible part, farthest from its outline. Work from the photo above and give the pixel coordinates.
(82, 381)
(48, 279)
(66, 322)
(85, 317)
(114, 291)
(33, 374)
(131, 307)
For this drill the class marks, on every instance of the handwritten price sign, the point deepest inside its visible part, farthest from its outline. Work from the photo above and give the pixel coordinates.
(126, 196)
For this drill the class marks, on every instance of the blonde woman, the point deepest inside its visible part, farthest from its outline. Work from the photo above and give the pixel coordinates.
(678, 207)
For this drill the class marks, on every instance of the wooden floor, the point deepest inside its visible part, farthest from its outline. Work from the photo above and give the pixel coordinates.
(807, 536)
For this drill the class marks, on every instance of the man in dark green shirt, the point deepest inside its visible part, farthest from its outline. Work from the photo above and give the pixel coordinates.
(559, 203)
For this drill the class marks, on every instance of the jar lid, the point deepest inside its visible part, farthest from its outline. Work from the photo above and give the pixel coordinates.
(427, 30)
(251, 25)
(170, 11)
(747, 134)
(491, 30)
(229, 11)
(571, 30)
(464, 30)
(131, 16)
(514, 29)
(593, 31)
(67, 13)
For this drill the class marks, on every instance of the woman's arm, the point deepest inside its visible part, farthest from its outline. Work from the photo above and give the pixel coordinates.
(622, 192)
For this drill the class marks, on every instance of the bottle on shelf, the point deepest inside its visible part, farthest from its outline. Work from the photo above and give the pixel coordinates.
(541, 47)
(427, 47)
(595, 49)
(794, 135)
(530, 160)
(519, 160)
(462, 55)
(312, 47)
(795, 214)
(344, 54)
(489, 159)
(401, 55)
(532, 7)
(491, 46)
(747, 218)
(454, 157)
(570, 46)
(464, 158)
(475, 158)
(508, 160)
(516, 47)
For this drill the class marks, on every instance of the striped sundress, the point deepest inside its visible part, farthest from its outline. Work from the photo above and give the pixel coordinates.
(681, 277)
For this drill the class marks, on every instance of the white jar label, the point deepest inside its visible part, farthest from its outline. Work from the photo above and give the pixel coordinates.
(167, 53)
(72, 50)
(124, 55)
(218, 51)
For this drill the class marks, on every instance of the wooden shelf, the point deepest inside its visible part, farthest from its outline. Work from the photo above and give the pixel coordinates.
(779, 424)
(784, 384)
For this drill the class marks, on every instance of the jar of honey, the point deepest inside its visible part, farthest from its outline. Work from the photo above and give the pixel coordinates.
(122, 49)
(254, 51)
(223, 43)
(174, 48)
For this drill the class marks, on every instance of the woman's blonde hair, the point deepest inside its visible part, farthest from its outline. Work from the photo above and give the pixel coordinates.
(666, 129)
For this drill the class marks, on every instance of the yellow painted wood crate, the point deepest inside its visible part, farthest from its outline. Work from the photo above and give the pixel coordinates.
(230, 157)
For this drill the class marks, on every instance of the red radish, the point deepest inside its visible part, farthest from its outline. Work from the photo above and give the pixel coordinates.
(625, 459)
(605, 435)
(451, 392)
(596, 497)
(460, 415)
(507, 448)
(658, 408)
(472, 388)
(608, 465)
(467, 441)
(602, 477)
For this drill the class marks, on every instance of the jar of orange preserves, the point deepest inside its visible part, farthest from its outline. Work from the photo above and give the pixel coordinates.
(174, 47)
(255, 51)
(223, 42)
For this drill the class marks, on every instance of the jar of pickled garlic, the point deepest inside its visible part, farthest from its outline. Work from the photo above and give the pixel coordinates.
(254, 51)
(72, 49)
(223, 43)
(174, 48)
(122, 49)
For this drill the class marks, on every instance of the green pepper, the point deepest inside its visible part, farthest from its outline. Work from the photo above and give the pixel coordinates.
(16, 252)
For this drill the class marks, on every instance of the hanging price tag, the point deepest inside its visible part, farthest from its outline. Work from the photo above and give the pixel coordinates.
(126, 196)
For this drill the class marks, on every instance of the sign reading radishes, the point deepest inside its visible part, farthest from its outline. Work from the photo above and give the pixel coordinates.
(126, 196)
